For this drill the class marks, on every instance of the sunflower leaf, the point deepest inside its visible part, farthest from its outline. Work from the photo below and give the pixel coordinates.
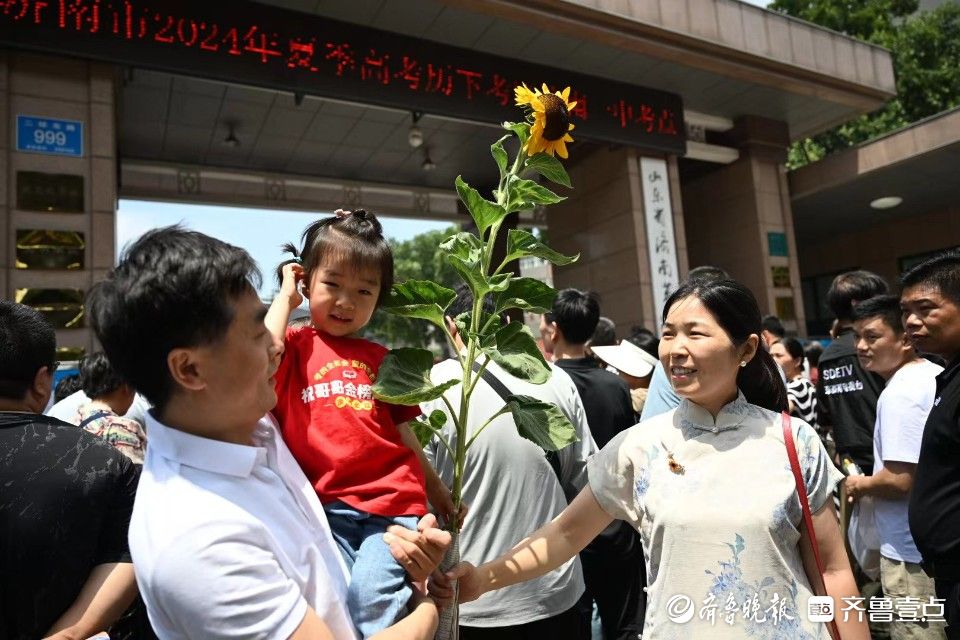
(423, 431)
(522, 129)
(464, 245)
(524, 194)
(500, 154)
(517, 353)
(419, 299)
(550, 168)
(484, 213)
(527, 294)
(541, 423)
(404, 378)
(522, 243)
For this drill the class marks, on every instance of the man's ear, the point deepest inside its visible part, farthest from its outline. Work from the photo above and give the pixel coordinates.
(184, 367)
(42, 386)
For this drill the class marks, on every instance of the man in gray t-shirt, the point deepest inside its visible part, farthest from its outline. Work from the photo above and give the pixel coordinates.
(512, 490)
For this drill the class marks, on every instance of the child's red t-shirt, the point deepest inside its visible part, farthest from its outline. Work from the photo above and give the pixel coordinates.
(346, 442)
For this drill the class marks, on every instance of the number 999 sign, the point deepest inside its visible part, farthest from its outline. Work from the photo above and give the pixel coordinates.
(40, 134)
(50, 137)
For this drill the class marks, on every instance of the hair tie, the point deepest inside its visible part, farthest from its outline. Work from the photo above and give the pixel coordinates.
(341, 213)
(298, 260)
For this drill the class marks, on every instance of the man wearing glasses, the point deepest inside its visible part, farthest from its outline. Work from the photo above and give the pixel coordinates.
(65, 501)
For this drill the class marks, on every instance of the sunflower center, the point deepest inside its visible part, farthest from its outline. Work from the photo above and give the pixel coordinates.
(556, 121)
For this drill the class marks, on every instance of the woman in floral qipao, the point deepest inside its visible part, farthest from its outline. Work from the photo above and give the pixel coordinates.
(710, 489)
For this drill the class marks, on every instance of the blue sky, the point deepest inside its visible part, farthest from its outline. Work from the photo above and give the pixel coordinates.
(259, 231)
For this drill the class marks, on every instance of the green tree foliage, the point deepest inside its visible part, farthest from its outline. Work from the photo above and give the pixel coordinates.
(418, 258)
(925, 48)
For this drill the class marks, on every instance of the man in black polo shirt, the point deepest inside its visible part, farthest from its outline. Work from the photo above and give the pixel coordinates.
(931, 316)
(613, 567)
(847, 393)
(65, 501)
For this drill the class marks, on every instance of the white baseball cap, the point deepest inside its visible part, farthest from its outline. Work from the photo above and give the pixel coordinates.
(628, 358)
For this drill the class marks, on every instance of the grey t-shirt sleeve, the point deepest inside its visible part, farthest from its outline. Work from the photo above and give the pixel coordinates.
(660, 397)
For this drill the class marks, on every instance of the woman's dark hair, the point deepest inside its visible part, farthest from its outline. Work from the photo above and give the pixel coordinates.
(794, 347)
(67, 386)
(813, 351)
(736, 310)
(356, 238)
(97, 375)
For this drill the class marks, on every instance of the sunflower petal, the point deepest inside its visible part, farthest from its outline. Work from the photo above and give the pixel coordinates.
(565, 94)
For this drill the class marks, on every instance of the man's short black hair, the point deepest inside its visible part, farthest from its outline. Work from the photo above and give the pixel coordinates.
(172, 288)
(772, 324)
(885, 307)
(576, 314)
(27, 344)
(97, 375)
(605, 335)
(852, 287)
(646, 340)
(941, 271)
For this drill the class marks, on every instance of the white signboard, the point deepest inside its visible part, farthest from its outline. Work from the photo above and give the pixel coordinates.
(661, 243)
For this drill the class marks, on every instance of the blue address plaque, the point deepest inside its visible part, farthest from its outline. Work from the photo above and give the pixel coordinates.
(53, 136)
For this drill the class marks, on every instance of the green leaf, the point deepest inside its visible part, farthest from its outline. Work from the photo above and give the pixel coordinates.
(485, 214)
(423, 431)
(527, 294)
(524, 194)
(420, 299)
(437, 419)
(522, 243)
(486, 339)
(464, 245)
(522, 129)
(541, 423)
(517, 353)
(550, 168)
(500, 154)
(404, 378)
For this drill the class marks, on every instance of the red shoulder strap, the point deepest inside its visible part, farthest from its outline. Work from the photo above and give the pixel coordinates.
(819, 588)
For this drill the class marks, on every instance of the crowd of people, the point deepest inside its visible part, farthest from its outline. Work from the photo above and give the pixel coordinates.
(220, 471)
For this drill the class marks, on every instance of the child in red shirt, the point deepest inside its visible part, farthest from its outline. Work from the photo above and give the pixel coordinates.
(359, 453)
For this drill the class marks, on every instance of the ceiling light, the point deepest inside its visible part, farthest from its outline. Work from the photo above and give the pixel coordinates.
(886, 202)
(415, 135)
(428, 164)
(231, 140)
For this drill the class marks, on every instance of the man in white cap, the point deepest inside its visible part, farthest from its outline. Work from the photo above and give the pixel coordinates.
(634, 364)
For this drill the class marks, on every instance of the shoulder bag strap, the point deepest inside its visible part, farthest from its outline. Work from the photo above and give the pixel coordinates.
(92, 417)
(552, 456)
(817, 584)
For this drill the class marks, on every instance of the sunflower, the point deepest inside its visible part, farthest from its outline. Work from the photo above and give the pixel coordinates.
(550, 131)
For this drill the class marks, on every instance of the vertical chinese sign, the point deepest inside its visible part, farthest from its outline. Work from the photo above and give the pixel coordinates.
(661, 242)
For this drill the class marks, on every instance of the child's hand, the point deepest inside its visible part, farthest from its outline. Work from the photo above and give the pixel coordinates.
(292, 275)
(441, 498)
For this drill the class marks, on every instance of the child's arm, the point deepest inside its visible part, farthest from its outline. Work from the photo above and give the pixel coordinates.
(287, 299)
(437, 492)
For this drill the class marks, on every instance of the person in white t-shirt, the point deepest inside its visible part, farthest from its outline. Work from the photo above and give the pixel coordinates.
(902, 410)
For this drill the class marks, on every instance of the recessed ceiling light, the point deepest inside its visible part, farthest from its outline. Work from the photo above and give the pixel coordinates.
(886, 202)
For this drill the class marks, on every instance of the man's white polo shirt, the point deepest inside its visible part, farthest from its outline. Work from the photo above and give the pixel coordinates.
(230, 541)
